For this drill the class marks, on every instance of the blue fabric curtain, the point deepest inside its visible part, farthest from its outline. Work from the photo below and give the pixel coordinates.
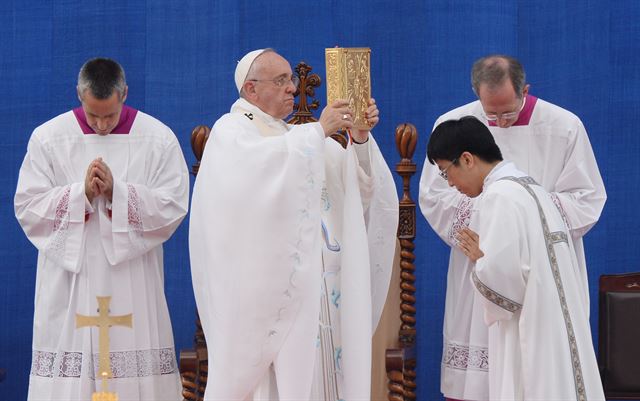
(180, 56)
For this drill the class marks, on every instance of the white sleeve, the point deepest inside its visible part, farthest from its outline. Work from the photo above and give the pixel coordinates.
(446, 209)
(364, 172)
(381, 219)
(579, 188)
(52, 216)
(499, 276)
(144, 215)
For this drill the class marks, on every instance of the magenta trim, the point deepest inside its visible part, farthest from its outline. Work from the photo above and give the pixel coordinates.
(525, 115)
(127, 117)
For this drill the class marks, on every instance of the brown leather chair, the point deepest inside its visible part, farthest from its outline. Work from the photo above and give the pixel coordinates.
(619, 335)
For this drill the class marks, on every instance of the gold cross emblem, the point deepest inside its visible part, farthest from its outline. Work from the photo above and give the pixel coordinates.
(104, 321)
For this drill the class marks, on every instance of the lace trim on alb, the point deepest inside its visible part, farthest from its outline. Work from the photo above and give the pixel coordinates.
(60, 232)
(461, 219)
(142, 363)
(133, 204)
(61, 221)
(463, 357)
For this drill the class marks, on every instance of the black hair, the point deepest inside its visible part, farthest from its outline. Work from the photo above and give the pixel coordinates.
(453, 137)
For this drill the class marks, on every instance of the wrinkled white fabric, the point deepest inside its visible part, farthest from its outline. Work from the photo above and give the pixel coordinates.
(83, 253)
(268, 201)
(530, 282)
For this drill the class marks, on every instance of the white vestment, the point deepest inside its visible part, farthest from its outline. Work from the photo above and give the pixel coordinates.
(270, 202)
(532, 290)
(551, 145)
(102, 249)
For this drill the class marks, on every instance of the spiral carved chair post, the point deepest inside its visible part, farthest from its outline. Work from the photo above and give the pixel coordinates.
(401, 362)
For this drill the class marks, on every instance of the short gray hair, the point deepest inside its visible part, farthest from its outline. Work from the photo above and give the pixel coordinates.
(102, 76)
(493, 70)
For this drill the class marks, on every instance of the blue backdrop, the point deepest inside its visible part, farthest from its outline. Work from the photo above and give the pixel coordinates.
(180, 56)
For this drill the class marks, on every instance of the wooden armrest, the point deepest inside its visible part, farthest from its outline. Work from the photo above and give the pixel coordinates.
(188, 374)
(400, 364)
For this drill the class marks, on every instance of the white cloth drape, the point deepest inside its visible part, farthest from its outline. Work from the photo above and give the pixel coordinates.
(256, 243)
(540, 345)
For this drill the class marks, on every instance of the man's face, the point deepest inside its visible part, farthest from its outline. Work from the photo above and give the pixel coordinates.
(102, 114)
(462, 175)
(502, 102)
(277, 101)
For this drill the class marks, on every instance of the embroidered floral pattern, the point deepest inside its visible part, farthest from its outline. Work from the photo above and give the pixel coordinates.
(335, 247)
(133, 203)
(335, 297)
(461, 219)
(557, 236)
(61, 221)
(60, 233)
(326, 202)
(491, 295)
(463, 357)
(142, 363)
(296, 257)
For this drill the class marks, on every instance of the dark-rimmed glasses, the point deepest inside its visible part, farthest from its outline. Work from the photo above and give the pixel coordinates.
(281, 81)
(443, 173)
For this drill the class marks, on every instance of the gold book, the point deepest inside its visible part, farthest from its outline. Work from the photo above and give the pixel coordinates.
(349, 78)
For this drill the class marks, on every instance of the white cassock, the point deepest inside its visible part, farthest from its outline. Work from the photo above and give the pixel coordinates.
(270, 203)
(532, 290)
(552, 146)
(99, 249)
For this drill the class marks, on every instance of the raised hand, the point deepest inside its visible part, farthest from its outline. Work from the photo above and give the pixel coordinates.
(335, 117)
(373, 117)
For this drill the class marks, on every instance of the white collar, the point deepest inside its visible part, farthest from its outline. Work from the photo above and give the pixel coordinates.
(501, 170)
(243, 106)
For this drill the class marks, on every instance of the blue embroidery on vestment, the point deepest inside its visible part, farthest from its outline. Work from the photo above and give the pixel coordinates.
(325, 235)
(335, 298)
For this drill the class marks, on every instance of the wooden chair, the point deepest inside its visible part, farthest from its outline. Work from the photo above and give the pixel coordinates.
(401, 360)
(619, 335)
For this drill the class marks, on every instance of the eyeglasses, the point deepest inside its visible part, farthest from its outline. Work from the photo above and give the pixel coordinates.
(280, 81)
(505, 116)
(443, 173)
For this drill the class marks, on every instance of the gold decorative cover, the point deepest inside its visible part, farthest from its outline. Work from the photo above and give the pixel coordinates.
(349, 77)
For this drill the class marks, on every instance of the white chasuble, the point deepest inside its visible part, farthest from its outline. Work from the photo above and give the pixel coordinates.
(102, 249)
(288, 282)
(540, 345)
(551, 145)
